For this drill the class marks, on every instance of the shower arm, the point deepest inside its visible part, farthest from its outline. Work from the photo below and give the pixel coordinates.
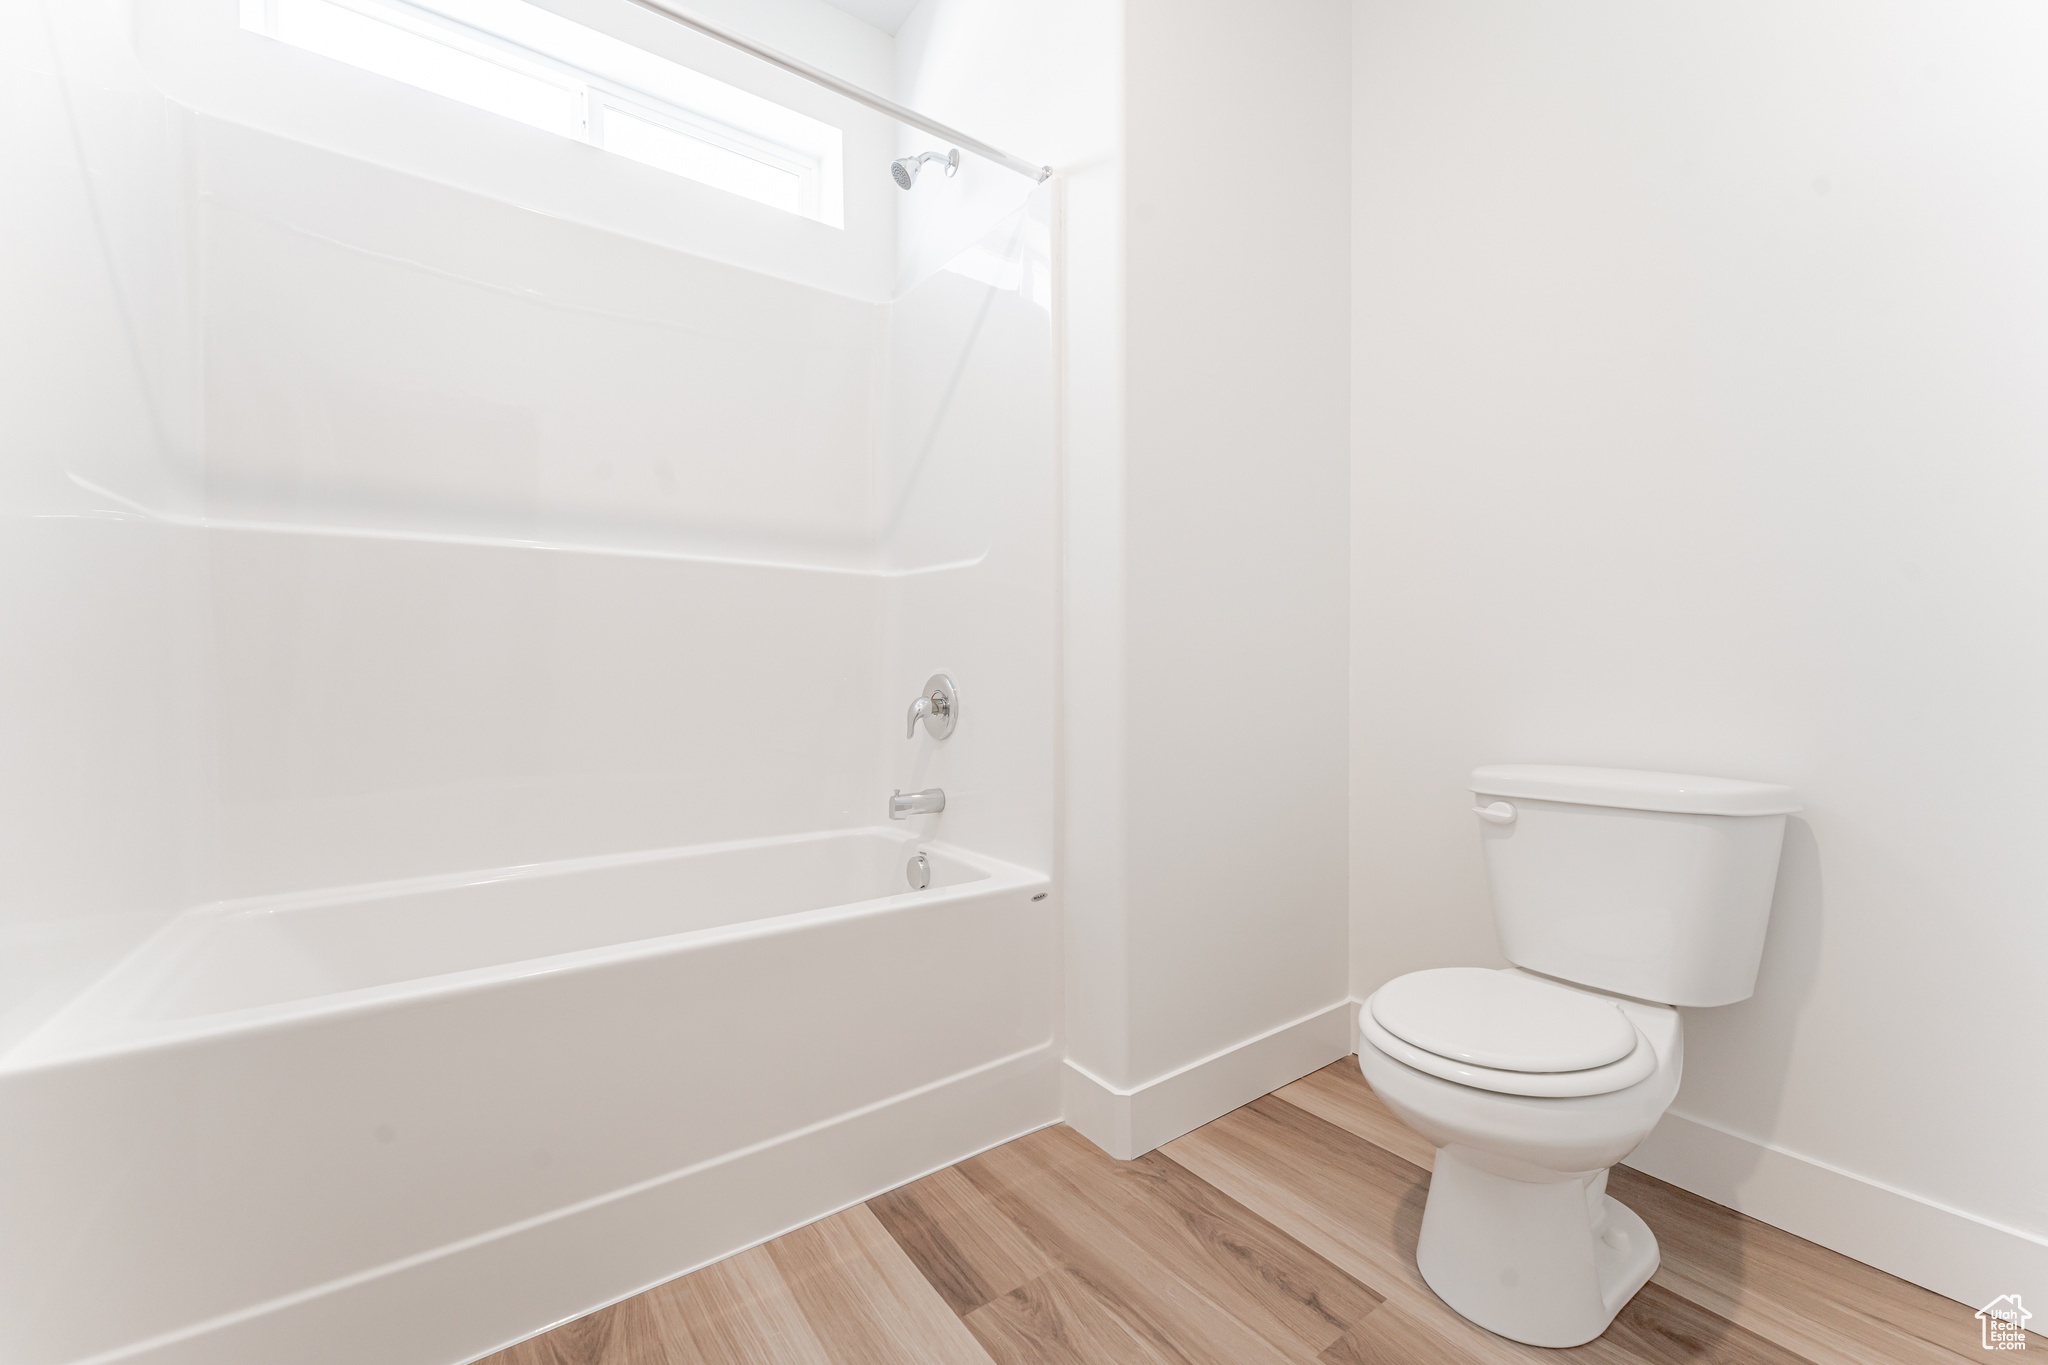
(852, 92)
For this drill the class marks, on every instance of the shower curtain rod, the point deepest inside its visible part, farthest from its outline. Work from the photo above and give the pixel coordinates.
(852, 92)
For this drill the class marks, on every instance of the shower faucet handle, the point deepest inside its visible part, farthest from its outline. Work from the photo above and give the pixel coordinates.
(938, 708)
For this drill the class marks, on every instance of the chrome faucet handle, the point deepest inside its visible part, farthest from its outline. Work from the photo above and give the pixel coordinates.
(939, 708)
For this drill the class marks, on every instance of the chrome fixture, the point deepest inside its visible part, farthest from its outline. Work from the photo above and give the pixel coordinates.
(930, 801)
(919, 871)
(939, 708)
(906, 170)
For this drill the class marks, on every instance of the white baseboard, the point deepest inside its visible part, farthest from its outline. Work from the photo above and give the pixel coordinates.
(468, 1300)
(1966, 1258)
(1958, 1255)
(1129, 1123)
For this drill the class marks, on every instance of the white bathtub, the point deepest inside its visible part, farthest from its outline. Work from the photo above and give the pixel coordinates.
(415, 1121)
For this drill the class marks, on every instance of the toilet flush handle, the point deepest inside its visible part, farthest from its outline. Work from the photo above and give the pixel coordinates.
(1499, 813)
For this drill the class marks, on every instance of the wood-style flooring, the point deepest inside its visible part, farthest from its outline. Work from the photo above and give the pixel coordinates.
(1282, 1232)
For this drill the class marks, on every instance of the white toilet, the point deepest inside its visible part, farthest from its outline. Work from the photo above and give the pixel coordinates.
(1618, 895)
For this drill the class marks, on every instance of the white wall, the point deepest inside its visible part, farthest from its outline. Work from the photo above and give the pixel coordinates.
(1235, 486)
(1202, 623)
(1207, 586)
(1698, 426)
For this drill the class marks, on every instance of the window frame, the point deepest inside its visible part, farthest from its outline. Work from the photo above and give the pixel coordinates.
(592, 92)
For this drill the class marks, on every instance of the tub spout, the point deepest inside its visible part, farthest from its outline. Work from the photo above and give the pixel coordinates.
(930, 801)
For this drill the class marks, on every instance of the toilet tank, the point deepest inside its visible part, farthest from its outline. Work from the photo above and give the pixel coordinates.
(1655, 885)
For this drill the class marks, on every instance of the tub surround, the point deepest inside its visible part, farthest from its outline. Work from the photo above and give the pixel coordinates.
(391, 526)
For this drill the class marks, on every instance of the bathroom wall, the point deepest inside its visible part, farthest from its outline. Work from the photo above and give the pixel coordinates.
(1202, 837)
(1203, 934)
(1234, 542)
(1697, 426)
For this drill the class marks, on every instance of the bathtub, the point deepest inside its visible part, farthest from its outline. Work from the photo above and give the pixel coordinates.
(415, 1121)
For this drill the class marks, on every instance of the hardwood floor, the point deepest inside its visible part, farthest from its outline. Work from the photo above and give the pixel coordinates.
(1282, 1232)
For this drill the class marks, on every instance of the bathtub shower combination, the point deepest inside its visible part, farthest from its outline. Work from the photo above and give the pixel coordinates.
(526, 1091)
(500, 607)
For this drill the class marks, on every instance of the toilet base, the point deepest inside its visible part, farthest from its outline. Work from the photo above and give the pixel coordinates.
(1537, 1256)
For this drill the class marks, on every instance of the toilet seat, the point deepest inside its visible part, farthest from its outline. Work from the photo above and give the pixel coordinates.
(1508, 1033)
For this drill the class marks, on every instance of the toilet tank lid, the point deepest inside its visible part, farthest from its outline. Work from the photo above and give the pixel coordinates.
(1628, 789)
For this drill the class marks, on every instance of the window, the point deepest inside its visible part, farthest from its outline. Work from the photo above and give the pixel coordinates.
(522, 62)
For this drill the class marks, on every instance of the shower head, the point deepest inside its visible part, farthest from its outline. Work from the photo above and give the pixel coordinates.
(905, 171)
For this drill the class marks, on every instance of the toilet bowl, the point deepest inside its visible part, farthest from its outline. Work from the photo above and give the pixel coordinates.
(1619, 895)
(1519, 1234)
